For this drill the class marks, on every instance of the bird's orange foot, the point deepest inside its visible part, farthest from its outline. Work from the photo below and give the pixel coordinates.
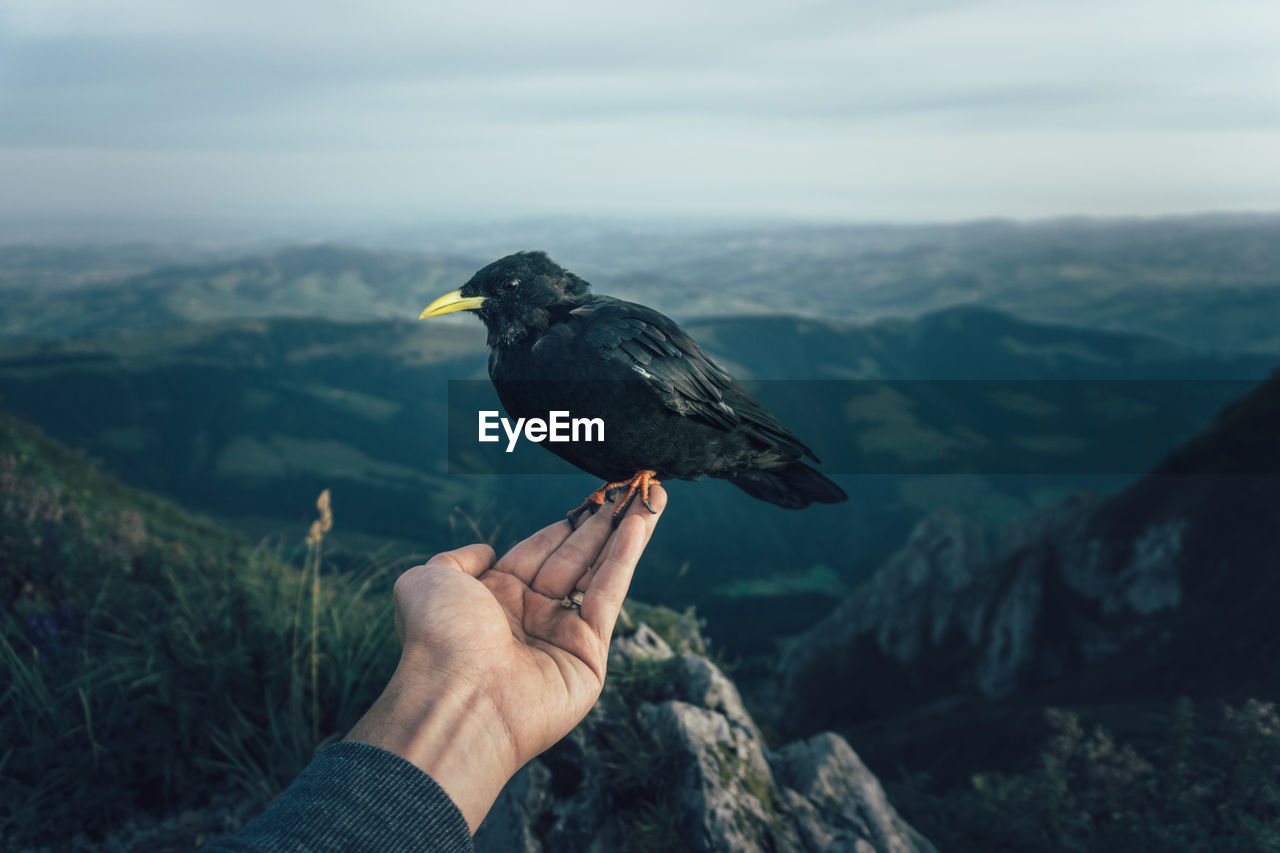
(637, 485)
(594, 501)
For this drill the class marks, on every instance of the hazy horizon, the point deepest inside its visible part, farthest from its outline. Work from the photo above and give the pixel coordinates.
(458, 235)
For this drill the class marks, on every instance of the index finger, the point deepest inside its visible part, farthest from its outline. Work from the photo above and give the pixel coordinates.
(608, 585)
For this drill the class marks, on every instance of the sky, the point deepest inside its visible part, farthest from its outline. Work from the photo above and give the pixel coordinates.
(904, 111)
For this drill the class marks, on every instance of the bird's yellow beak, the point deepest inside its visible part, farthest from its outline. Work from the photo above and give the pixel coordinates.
(451, 302)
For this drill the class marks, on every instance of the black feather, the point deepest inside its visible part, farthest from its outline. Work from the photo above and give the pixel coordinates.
(668, 406)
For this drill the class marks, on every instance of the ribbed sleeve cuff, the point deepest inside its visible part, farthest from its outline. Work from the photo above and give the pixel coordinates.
(355, 797)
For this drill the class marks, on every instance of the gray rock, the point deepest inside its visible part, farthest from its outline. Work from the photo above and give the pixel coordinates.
(642, 644)
(703, 684)
(839, 804)
(723, 789)
(677, 763)
(680, 631)
(985, 604)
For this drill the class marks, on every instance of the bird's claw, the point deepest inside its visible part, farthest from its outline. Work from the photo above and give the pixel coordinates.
(621, 511)
(593, 502)
(638, 485)
(573, 515)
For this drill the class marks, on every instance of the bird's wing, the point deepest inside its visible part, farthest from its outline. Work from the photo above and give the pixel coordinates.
(687, 379)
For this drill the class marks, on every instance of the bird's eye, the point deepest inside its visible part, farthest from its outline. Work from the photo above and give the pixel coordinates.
(511, 284)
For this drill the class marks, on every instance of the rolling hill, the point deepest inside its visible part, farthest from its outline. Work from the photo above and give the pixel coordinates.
(247, 420)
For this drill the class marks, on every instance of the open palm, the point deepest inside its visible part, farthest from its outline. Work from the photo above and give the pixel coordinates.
(501, 627)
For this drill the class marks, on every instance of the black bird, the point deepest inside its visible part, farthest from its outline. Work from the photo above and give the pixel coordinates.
(669, 410)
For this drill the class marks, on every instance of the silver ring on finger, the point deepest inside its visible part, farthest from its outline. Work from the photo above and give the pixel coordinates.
(573, 601)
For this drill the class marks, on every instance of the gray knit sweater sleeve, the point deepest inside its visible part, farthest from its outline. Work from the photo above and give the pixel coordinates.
(355, 797)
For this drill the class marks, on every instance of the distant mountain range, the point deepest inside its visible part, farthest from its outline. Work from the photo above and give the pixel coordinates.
(335, 282)
(1208, 282)
(248, 420)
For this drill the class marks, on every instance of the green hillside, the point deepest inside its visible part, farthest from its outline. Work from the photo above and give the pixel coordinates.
(149, 659)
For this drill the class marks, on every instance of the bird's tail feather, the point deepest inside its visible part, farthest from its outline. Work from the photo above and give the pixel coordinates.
(793, 487)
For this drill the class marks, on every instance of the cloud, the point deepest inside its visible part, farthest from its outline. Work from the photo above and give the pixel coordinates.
(832, 108)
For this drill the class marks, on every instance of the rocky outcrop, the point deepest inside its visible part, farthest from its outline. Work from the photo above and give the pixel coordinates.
(1159, 569)
(670, 760)
(984, 614)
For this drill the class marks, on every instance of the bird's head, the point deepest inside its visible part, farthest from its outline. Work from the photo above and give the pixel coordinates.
(513, 296)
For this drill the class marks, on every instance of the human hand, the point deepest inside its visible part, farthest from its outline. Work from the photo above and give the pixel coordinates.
(494, 668)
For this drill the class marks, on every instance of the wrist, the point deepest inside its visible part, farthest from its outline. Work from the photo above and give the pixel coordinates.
(454, 735)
